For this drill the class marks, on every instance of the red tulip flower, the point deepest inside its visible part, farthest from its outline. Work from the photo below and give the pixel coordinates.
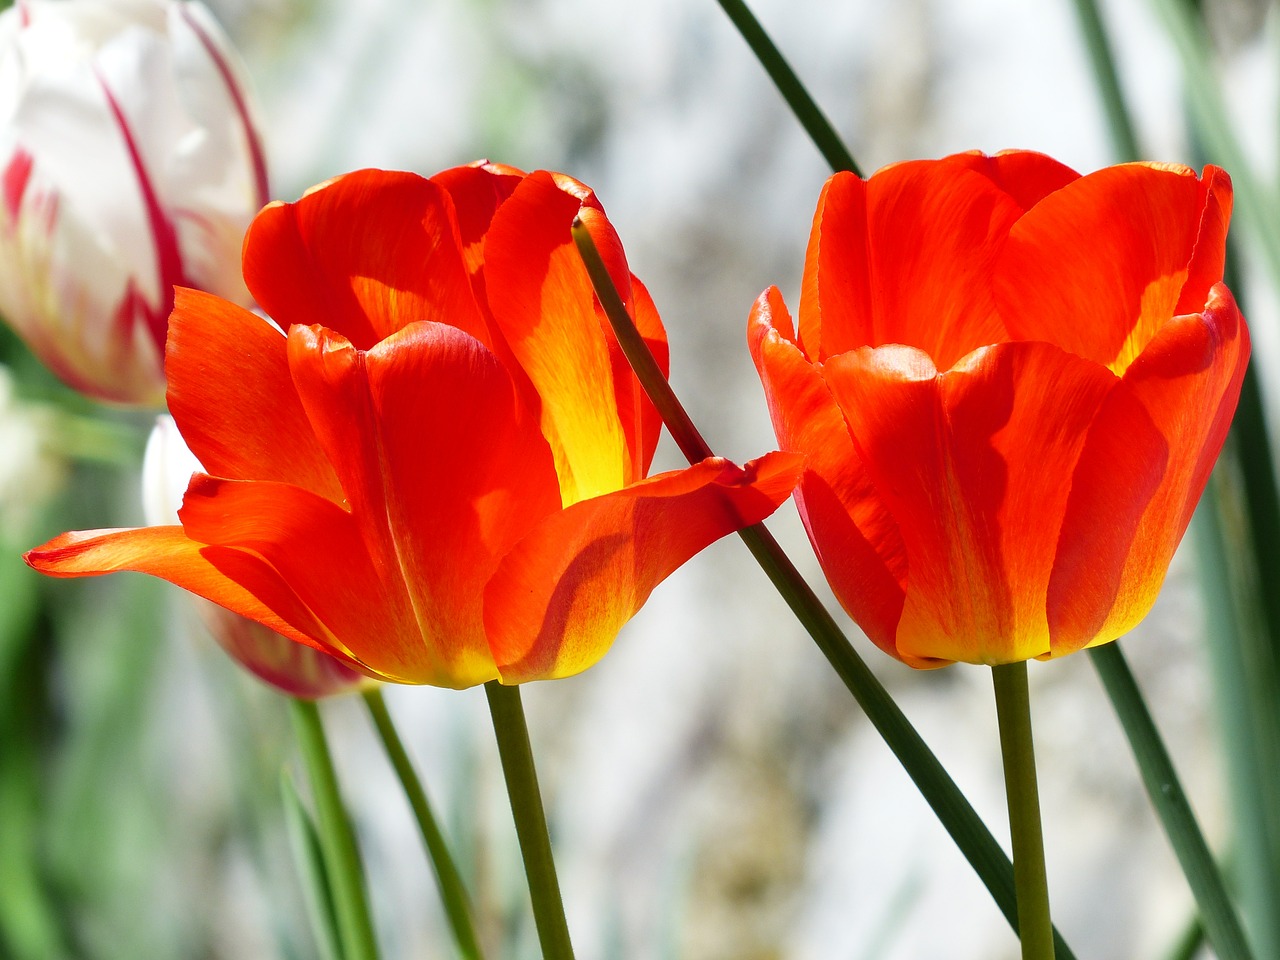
(1011, 383)
(438, 475)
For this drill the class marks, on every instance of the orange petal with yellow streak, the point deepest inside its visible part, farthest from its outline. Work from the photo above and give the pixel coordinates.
(1144, 466)
(560, 597)
(974, 465)
(442, 467)
(1099, 266)
(543, 302)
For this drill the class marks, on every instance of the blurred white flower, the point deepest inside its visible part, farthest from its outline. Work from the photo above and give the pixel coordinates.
(130, 161)
(298, 670)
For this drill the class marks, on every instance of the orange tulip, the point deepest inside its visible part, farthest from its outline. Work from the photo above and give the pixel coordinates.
(438, 474)
(1012, 383)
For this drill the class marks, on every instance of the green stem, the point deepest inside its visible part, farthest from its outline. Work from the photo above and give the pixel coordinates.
(931, 779)
(806, 110)
(1013, 708)
(1221, 924)
(531, 822)
(1123, 136)
(453, 893)
(337, 839)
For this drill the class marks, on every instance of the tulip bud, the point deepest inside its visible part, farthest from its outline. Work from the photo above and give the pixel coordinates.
(130, 161)
(298, 670)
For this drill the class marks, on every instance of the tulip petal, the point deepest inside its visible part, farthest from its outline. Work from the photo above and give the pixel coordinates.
(168, 553)
(977, 484)
(562, 594)
(474, 471)
(543, 302)
(1099, 266)
(443, 471)
(364, 255)
(905, 257)
(836, 311)
(1208, 259)
(477, 190)
(233, 399)
(854, 536)
(1026, 176)
(259, 533)
(1143, 468)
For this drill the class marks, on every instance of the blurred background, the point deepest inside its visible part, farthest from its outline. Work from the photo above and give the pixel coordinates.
(714, 793)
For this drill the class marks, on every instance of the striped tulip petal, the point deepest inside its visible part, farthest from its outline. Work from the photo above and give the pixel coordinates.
(130, 162)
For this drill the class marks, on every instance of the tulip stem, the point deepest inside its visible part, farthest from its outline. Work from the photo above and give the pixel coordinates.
(1123, 136)
(806, 110)
(337, 838)
(531, 822)
(1013, 708)
(955, 812)
(453, 893)
(1221, 924)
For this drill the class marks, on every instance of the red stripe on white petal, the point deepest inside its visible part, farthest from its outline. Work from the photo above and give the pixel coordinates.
(13, 183)
(164, 235)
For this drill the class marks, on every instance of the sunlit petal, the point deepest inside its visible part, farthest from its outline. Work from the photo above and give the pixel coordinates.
(365, 255)
(559, 598)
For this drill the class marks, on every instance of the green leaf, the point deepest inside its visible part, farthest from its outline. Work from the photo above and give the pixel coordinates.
(304, 841)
